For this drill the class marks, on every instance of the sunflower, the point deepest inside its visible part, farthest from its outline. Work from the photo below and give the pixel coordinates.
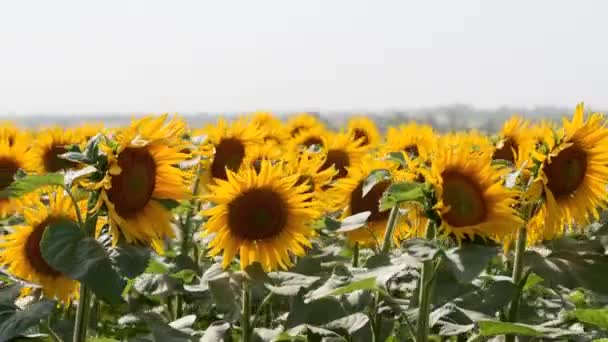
(512, 138)
(348, 194)
(471, 198)
(257, 153)
(302, 122)
(142, 172)
(572, 176)
(342, 152)
(87, 131)
(308, 164)
(416, 142)
(20, 250)
(308, 138)
(261, 216)
(11, 133)
(49, 144)
(13, 157)
(363, 131)
(275, 133)
(227, 145)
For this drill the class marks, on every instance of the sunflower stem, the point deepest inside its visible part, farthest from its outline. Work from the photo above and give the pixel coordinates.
(518, 271)
(356, 254)
(258, 313)
(390, 230)
(246, 316)
(80, 325)
(88, 225)
(425, 291)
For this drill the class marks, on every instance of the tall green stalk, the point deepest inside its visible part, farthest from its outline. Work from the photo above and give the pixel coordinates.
(356, 254)
(84, 301)
(390, 230)
(246, 316)
(518, 271)
(425, 292)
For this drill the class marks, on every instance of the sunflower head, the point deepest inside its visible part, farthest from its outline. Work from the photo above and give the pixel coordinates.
(257, 153)
(52, 142)
(416, 142)
(316, 136)
(351, 195)
(263, 217)
(307, 164)
(471, 198)
(227, 146)
(302, 122)
(12, 134)
(20, 250)
(572, 175)
(142, 171)
(14, 156)
(512, 141)
(363, 131)
(342, 152)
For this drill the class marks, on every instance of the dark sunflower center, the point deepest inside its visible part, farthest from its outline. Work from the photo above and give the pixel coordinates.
(361, 135)
(370, 201)
(339, 159)
(566, 172)
(505, 152)
(296, 130)
(411, 151)
(465, 199)
(310, 141)
(132, 189)
(52, 162)
(33, 252)
(229, 153)
(8, 169)
(257, 214)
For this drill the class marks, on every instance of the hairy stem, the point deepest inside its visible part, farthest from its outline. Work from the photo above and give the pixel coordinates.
(246, 316)
(356, 255)
(425, 292)
(518, 271)
(390, 230)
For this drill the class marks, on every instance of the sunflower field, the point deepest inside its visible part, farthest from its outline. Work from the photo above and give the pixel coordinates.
(260, 229)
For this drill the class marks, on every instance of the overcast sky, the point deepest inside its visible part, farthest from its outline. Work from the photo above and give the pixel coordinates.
(155, 56)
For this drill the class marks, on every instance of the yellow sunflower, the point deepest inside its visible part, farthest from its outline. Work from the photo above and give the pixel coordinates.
(572, 177)
(20, 250)
(227, 145)
(513, 138)
(257, 153)
(261, 216)
(363, 131)
(342, 152)
(142, 172)
(416, 142)
(13, 134)
(308, 138)
(302, 122)
(49, 144)
(89, 130)
(348, 194)
(308, 164)
(471, 198)
(13, 157)
(275, 133)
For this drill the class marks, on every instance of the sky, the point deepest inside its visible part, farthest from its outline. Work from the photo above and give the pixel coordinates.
(79, 57)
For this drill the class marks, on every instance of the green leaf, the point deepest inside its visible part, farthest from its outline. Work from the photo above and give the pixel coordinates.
(353, 222)
(398, 158)
(31, 183)
(156, 266)
(65, 248)
(469, 260)
(73, 175)
(532, 280)
(363, 284)
(168, 204)
(289, 284)
(403, 192)
(597, 317)
(130, 260)
(215, 332)
(421, 249)
(494, 328)
(351, 323)
(15, 323)
(224, 297)
(186, 276)
(375, 177)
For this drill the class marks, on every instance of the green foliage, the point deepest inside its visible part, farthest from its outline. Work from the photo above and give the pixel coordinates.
(28, 183)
